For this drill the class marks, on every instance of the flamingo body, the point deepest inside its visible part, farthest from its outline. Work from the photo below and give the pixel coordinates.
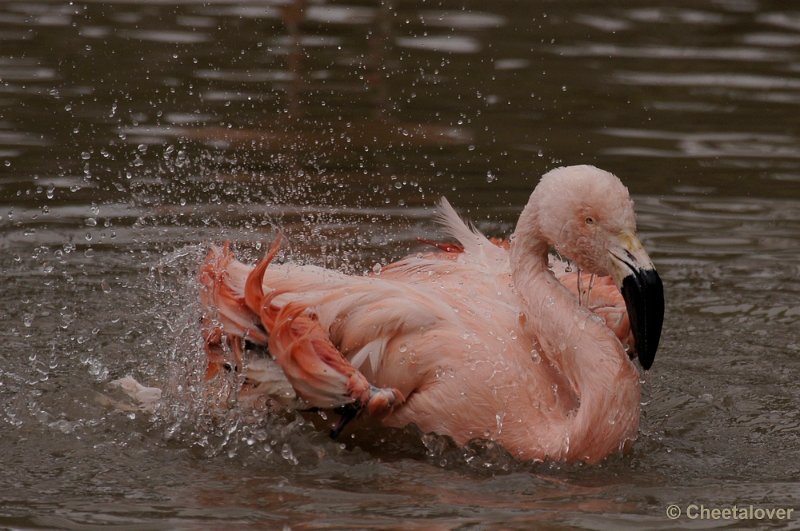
(477, 340)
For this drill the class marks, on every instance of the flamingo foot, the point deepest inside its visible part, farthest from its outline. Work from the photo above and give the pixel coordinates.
(383, 400)
(380, 401)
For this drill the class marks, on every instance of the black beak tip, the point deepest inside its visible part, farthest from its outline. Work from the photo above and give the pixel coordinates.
(644, 299)
(646, 361)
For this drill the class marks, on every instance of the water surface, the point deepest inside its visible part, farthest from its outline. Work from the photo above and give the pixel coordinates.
(132, 135)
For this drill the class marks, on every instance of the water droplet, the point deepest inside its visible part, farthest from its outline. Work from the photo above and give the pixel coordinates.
(498, 419)
(286, 453)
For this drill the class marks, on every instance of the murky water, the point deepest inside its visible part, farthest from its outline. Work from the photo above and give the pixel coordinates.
(134, 134)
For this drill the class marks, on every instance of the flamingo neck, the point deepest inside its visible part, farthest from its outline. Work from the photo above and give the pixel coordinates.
(587, 354)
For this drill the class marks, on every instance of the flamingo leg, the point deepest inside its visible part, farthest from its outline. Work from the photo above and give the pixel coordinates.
(346, 414)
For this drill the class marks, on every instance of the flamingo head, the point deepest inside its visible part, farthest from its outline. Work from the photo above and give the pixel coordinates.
(587, 215)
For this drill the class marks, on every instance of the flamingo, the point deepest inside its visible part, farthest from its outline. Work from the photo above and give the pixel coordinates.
(476, 339)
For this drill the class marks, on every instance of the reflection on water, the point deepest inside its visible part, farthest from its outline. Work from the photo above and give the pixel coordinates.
(133, 134)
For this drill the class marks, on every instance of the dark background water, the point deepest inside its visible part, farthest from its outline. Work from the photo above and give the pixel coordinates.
(134, 134)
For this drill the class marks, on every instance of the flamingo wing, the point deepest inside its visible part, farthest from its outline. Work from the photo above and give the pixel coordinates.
(291, 329)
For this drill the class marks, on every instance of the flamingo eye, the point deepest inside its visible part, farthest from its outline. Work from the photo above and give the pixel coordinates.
(589, 220)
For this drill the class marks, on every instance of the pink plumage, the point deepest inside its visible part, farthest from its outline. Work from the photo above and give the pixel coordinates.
(480, 339)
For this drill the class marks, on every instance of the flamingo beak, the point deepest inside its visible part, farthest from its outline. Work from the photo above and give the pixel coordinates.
(641, 287)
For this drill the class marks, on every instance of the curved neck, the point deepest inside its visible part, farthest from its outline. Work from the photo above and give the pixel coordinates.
(580, 346)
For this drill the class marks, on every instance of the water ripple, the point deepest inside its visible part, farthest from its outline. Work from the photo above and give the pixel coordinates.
(461, 20)
(173, 36)
(441, 43)
(673, 52)
(712, 144)
(723, 80)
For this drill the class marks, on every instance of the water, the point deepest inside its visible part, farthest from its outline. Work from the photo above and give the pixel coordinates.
(134, 134)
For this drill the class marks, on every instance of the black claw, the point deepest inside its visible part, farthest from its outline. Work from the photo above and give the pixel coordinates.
(347, 413)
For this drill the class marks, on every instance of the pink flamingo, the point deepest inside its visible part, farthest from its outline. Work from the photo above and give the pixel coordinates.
(481, 340)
